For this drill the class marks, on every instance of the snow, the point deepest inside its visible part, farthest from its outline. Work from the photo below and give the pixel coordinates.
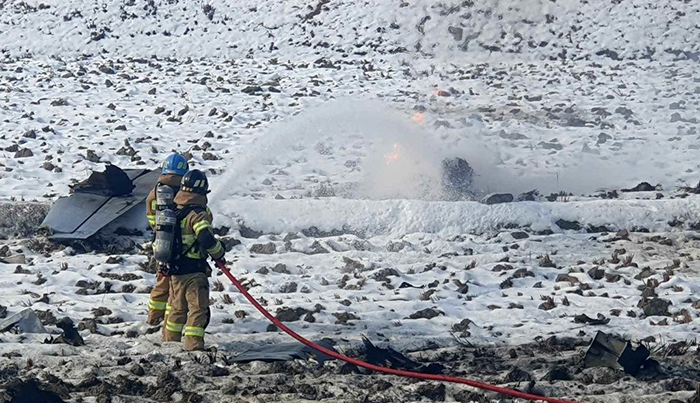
(399, 217)
(334, 160)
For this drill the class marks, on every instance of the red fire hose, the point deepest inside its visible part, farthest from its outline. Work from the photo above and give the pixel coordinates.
(390, 371)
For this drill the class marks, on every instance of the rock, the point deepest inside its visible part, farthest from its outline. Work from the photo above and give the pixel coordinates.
(427, 313)
(120, 128)
(501, 267)
(89, 325)
(518, 375)
(210, 157)
(291, 315)
(596, 273)
(551, 146)
(101, 311)
(522, 273)
(217, 371)
(316, 248)
(456, 32)
(384, 274)
(184, 110)
(344, 317)
(30, 134)
(548, 304)
(558, 374)
(519, 235)
(59, 102)
(655, 307)
(568, 225)
(434, 392)
(462, 326)
(123, 361)
(529, 196)
(288, 288)
(137, 370)
(679, 385)
(252, 90)
(92, 156)
(546, 261)
(26, 391)
(394, 246)
(264, 249)
(642, 187)
(106, 69)
(567, 278)
(24, 153)
(508, 283)
(497, 198)
(281, 268)
(601, 375)
(603, 138)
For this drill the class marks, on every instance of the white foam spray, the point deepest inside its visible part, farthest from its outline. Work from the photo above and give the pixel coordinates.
(399, 158)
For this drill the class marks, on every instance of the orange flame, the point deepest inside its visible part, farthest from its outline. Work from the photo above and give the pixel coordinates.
(393, 156)
(418, 118)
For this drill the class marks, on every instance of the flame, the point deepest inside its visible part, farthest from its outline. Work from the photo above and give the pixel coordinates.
(418, 118)
(393, 156)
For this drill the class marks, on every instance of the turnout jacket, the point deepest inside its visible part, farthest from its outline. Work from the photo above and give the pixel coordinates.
(198, 240)
(168, 179)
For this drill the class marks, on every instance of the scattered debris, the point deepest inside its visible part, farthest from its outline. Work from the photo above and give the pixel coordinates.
(28, 391)
(284, 352)
(70, 334)
(393, 359)
(497, 198)
(585, 319)
(642, 187)
(612, 352)
(25, 321)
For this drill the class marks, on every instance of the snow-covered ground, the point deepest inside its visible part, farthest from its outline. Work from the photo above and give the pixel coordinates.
(323, 126)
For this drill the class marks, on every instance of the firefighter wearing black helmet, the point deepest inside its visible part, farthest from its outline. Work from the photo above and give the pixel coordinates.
(189, 286)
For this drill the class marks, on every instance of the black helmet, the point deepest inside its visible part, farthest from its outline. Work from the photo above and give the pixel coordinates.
(195, 181)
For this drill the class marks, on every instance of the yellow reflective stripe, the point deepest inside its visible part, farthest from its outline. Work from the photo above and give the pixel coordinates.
(216, 250)
(198, 227)
(156, 305)
(174, 327)
(167, 309)
(195, 255)
(194, 331)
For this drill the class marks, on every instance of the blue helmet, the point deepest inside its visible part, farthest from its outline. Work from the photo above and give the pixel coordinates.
(175, 164)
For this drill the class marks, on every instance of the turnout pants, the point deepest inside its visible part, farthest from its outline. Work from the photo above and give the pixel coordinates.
(189, 314)
(158, 305)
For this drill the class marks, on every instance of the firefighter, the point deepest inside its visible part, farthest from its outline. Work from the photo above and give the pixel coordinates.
(172, 170)
(189, 286)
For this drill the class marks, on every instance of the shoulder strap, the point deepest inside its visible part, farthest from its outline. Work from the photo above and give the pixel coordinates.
(181, 215)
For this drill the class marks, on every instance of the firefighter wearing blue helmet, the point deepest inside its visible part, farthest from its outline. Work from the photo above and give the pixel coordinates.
(173, 169)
